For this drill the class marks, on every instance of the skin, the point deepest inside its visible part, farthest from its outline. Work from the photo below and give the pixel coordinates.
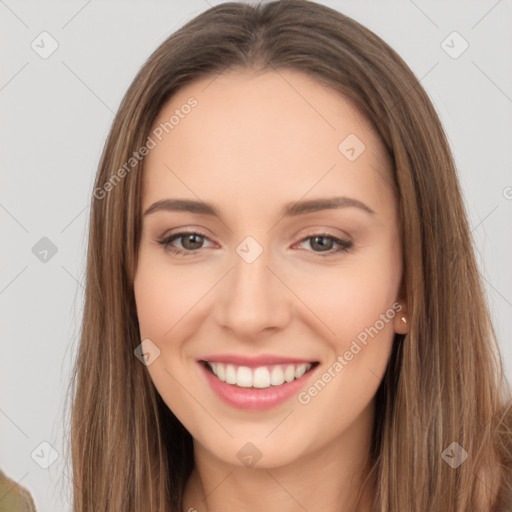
(255, 142)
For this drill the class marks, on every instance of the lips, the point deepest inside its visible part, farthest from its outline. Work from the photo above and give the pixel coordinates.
(256, 382)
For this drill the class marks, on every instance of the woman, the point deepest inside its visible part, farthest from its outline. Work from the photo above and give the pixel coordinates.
(283, 309)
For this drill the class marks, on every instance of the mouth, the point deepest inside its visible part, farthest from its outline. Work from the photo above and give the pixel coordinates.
(255, 382)
(258, 377)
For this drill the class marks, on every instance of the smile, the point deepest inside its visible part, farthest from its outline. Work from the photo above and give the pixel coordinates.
(255, 385)
(259, 377)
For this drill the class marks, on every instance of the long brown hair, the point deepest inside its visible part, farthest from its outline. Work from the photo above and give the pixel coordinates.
(445, 380)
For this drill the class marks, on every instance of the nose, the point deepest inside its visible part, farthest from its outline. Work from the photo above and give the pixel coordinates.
(253, 298)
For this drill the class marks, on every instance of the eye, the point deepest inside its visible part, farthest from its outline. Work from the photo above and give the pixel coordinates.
(191, 242)
(325, 243)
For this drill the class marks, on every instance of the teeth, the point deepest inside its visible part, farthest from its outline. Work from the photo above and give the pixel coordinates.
(230, 374)
(221, 372)
(244, 377)
(300, 371)
(260, 377)
(289, 373)
(276, 376)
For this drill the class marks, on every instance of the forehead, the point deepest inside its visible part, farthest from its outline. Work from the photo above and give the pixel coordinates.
(250, 134)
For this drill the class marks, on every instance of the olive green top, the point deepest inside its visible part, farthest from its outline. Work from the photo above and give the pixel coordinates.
(14, 497)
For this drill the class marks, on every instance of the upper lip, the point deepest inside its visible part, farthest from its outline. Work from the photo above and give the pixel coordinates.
(255, 361)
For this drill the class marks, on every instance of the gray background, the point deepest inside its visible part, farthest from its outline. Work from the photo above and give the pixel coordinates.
(55, 116)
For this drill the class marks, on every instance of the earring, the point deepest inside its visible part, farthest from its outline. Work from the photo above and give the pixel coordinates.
(404, 320)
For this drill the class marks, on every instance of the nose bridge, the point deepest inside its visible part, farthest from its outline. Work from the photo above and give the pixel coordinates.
(253, 299)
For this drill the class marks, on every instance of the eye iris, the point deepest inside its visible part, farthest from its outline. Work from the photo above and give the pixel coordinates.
(322, 246)
(186, 238)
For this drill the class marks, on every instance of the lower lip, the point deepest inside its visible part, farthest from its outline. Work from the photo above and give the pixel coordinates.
(254, 398)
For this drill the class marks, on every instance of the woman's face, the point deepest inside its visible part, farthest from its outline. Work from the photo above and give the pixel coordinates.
(276, 282)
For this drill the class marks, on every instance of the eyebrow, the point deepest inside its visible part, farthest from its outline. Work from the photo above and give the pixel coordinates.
(289, 210)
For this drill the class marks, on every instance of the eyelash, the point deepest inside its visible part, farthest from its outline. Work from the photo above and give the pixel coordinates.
(346, 246)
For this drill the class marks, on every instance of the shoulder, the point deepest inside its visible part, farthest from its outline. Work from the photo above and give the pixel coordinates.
(15, 498)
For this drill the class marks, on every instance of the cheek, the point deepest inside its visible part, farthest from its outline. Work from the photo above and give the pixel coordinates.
(358, 302)
(354, 296)
(361, 320)
(163, 295)
(359, 351)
